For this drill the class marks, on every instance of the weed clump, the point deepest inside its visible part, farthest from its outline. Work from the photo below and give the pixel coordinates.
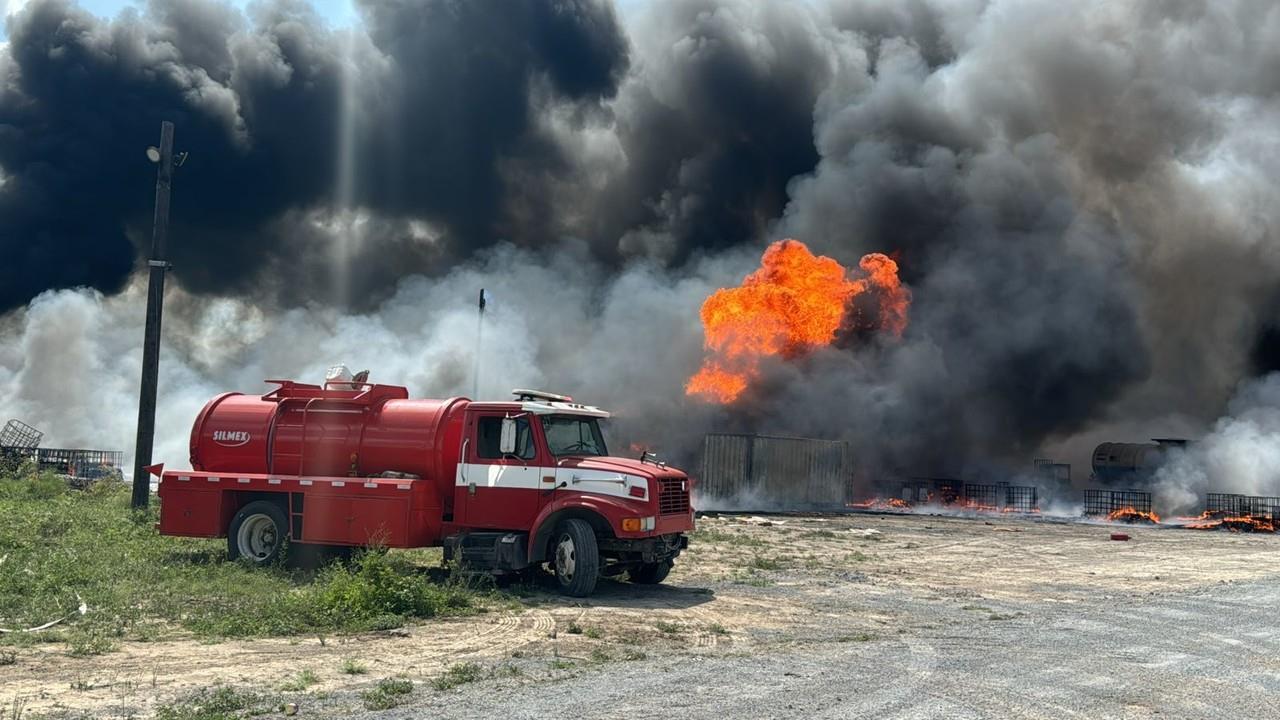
(300, 682)
(380, 589)
(220, 703)
(459, 674)
(387, 694)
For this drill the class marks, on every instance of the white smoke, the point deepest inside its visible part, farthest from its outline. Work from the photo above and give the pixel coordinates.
(1240, 455)
(70, 361)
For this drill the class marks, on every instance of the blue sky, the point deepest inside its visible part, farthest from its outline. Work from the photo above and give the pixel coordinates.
(338, 12)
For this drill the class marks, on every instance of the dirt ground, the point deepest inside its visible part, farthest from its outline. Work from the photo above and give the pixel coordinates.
(793, 616)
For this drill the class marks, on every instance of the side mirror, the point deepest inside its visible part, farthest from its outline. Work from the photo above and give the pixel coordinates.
(507, 441)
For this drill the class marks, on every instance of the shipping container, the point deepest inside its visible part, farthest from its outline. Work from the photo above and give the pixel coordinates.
(765, 472)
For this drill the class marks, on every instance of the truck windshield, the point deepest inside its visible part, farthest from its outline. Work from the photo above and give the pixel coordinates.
(573, 435)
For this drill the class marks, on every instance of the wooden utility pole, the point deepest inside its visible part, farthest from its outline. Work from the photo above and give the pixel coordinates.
(158, 266)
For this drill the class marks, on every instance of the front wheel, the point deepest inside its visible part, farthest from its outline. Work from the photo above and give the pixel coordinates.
(257, 533)
(650, 573)
(576, 558)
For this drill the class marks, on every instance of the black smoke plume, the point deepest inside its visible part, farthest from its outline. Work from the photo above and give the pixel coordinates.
(1080, 196)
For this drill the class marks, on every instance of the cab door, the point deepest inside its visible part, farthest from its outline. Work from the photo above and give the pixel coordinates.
(496, 490)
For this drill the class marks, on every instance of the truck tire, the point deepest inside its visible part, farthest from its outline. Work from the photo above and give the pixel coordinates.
(575, 558)
(257, 533)
(650, 573)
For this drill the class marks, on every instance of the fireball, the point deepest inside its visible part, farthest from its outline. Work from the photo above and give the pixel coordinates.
(796, 302)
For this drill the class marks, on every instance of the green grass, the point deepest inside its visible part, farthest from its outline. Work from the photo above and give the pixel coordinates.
(751, 578)
(387, 694)
(65, 546)
(459, 674)
(220, 703)
(354, 667)
(667, 628)
(300, 682)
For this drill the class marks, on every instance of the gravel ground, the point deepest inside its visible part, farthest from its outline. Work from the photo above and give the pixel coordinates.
(793, 617)
(1058, 623)
(1196, 654)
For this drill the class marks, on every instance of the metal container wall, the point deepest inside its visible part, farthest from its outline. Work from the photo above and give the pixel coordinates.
(1123, 463)
(764, 472)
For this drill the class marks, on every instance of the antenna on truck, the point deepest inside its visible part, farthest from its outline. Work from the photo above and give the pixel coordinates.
(475, 378)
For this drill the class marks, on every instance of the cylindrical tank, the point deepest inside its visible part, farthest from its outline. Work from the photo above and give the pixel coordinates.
(1126, 462)
(304, 430)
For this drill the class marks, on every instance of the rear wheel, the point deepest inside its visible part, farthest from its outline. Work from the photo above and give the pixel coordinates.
(257, 533)
(650, 573)
(576, 558)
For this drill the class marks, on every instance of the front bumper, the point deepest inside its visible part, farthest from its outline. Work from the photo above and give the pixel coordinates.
(646, 550)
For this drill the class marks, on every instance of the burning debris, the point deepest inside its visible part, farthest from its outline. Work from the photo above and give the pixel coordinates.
(1133, 515)
(742, 472)
(881, 504)
(954, 495)
(1237, 513)
(794, 303)
(1235, 523)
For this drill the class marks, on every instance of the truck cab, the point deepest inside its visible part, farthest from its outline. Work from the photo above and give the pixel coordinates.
(536, 485)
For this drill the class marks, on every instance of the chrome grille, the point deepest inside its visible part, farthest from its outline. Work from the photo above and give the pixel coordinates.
(673, 496)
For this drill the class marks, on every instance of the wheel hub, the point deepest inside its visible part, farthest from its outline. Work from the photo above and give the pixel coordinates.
(566, 558)
(257, 538)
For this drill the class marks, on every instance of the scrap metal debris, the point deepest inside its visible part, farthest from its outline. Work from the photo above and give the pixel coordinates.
(761, 521)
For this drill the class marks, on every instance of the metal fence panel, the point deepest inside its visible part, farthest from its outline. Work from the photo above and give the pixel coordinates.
(982, 495)
(1248, 505)
(1104, 502)
(1022, 498)
(18, 435)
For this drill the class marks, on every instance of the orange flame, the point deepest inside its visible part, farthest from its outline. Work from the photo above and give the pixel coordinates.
(1133, 515)
(881, 504)
(1242, 522)
(795, 302)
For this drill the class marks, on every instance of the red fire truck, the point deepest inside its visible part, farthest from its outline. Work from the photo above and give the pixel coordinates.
(504, 486)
